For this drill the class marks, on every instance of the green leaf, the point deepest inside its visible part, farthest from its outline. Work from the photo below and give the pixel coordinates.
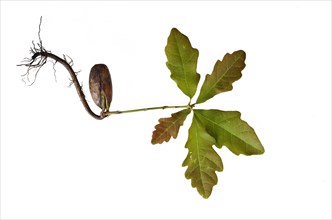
(202, 160)
(229, 130)
(224, 73)
(182, 62)
(169, 127)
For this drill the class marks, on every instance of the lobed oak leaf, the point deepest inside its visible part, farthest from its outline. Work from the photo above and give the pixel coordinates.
(169, 127)
(231, 131)
(202, 160)
(182, 62)
(224, 73)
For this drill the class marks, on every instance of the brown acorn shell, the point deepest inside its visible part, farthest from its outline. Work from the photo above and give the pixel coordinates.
(100, 81)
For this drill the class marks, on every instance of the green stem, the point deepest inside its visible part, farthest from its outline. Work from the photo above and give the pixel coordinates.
(147, 109)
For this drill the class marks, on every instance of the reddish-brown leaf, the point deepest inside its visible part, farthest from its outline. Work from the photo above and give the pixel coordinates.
(169, 127)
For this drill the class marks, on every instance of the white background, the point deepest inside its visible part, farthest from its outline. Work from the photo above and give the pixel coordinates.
(58, 162)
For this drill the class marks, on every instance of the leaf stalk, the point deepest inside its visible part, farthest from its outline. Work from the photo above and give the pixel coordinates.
(147, 109)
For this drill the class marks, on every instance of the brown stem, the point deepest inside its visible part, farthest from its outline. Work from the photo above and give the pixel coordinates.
(80, 93)
(39, 58)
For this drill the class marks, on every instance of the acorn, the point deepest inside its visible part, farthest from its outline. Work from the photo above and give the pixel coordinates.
(100, 84)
